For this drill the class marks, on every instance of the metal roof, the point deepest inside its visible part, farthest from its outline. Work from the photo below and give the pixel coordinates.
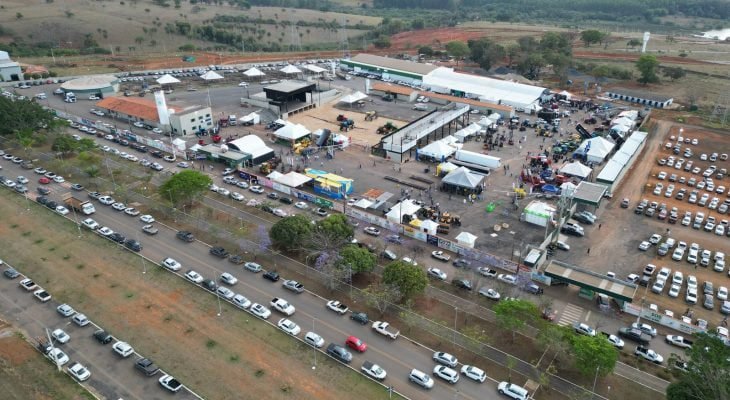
(588, 279)
(640, 94)
(393, 64)
(589, 192)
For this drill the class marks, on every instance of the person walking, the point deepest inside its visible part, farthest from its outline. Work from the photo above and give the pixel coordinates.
(589, 251)
(599, 227)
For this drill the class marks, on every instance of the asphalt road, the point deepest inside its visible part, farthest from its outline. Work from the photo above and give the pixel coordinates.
(111, 376)
(397, 357)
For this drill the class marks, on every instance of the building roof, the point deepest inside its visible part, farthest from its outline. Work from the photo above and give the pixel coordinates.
(600, 283)
(463, 177)
(289, 86)
(250, 144)
(589, 192)
(133, 106)
(576, 169)
(404, 90)
(89, 82)
(9, 64)
(640, 94)
(394, 64)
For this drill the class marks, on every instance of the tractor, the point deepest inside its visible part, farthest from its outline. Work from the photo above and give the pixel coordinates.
(346, 125)
(371, 115)
(387, 128)
(341, 118)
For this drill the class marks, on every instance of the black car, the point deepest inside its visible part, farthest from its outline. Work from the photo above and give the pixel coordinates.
(51, 204)
(42, 200)
(461, 263)
(359, 317)
(272, 196)
(43, 191)
(210, 285)
(462, 283)
(236, 259)
(102, 336)
(185, 236)
(117, 237)
(157, 154)
(273, 276)
(286, 200)
(340, 353)
(219, 252)
(133, 245)
(146, 366)
(267, 208)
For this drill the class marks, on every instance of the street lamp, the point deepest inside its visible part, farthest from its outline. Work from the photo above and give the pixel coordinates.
(456, 314)
(314, 349)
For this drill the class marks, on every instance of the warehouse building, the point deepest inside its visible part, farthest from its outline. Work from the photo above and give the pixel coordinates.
(9, 69)
(183, 121)
(100, 85)
(643, 98)
(388, 68)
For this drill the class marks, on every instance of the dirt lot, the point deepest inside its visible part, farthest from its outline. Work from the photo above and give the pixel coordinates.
(26, 375)
(230, 351)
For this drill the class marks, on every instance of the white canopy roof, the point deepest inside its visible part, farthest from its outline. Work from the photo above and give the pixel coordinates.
(620, 128)
(438, 150)
(252, 72)
(211, 75)
(167, 79)
(598, 148)
(566, 94)
(576, 169)
(293, 179)
(290, 69)
(468, 131)
(463, 177)
(292, 132)
(250, 144)
(315, 69)
(274, 175)
(466, 238)
(406, 207)
(351, 98)
(447, 167)
(623, 121)
(429, 225)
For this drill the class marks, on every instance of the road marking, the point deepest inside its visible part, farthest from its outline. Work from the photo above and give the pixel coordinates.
(587, 316)
(570, 315)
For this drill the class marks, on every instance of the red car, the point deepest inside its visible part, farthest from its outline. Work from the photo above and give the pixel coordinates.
(44, 180)
(356, 344)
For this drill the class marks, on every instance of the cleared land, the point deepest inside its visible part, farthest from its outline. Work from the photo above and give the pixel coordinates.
(245, 359)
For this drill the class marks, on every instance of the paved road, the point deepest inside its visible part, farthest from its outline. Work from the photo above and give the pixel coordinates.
(396, 357)
(111, 376)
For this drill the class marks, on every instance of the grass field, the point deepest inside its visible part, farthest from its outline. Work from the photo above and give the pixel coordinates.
(225, 357)
(26, 375)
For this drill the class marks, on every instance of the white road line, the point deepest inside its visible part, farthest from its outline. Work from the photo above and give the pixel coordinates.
(570, 315)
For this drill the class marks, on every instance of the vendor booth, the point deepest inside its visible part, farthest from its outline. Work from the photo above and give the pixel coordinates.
(330, 185)
(576, 169)
(462, 181)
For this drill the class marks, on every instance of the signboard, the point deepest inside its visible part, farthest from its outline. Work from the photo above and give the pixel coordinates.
(323, 202)
(280, 187)
(414, 233)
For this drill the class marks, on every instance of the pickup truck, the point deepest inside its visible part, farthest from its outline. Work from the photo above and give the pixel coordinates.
(294, 286)
(385, 329)
(614, 340)
(373, 370)
(337, 307)
(679, 341)
(648, 354)
(634, 335)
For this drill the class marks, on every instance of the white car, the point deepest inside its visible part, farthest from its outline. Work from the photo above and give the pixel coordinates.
(237, 196)
(722, 293)
(674, 291)
(283, 306)
(409, 260)
(260, 311)
(62, 210)
(224, 192)
(80, 319)
(65, 310)
(445, 359)
(437, 273)
(615, 341)
(131, 211)
(644, 246)
(78, 371)
(105, 231)
(256, 189)
(58, 356)
(314, 339)
(474, 373)
(646, 328)
(228, 279)
(119, 206)
(301, 205)
(489, 293)
(90, 223)
(655, 239)
(584, 329)
(147, 219)
(279, 212)
(225, 292)
(289, 326)
(60, 336)
(241, 301)
(58, 179)
(106, 200)
(194, 276)
(171, 264)
(123, 349)
(446, 373)
(371, 230)
(507, 278)
(440, 255)
(243, 84)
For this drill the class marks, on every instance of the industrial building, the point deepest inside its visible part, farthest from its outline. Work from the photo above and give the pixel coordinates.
(643, 98)
(183, 121)
(191, 120)
(388, 68)
(9, 69)
(101, 85)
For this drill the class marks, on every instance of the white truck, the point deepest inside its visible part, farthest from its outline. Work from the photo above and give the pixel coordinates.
(337, 307)
(385, 329)
(82, 206)
(679, 341)
(478, 159)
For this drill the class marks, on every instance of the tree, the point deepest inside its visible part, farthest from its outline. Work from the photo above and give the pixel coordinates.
(557, 339)
(381, 296)
(600, 72)
(18, 116)
(336, 226)
(290, 233)
(64, 144)
(358, 258)
(633, 43)
(425, 50)
(591, 36)
(417, 24)
(593, 355)
(647, 65)
(706, 375)
(184, 187)
(531, 65)
(485, 52)
(382, 42)
(674, 73)
(457, 49)
(512, 52)
(408, 278)
(514, 314)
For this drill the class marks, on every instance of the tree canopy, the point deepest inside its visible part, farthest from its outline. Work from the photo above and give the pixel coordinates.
(290, 233)
(706, 375)
(647, 65)
(336, 226)
(458, 49)
(512, 315)
(674, 73)
(184, 187)
(408, 278)
(591, 36)
(17, 116)
(358, 258)
(485, 52)
(66, 144)
(593, 354)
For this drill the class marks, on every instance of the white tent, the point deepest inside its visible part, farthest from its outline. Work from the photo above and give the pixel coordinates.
(354, 97)
(488, 121)
(466, 132)
(315, 69)
(565, 94)
(274, 175)
(252, 145)
(626, 121)
(211, 76)
(293, 179)
(429, 226)
(292, 132)
(445, 168)
(290, 69)
(466, 239)
(576, 169)
(253, 72)
(463, 177)
(405, 207)
(568, 187)
(167, 79)
(437, 150)
(597, 148)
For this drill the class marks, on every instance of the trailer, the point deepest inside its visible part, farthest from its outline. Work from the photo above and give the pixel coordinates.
(82, 206)
(478, 159)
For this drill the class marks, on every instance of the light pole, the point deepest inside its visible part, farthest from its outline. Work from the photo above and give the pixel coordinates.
(593, 393)
(314, 349)
(456, 314)
(218, 296)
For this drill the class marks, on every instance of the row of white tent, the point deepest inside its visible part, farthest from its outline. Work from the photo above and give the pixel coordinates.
(254, 72)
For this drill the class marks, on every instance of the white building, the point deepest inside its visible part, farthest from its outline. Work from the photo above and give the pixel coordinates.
(192, 120)
(9, 69)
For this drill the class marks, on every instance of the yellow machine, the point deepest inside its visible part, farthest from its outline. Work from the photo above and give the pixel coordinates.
(521, 193)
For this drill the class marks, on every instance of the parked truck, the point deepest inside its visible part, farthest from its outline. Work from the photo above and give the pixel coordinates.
(337, 307)
(385, 329)
(478, 159)
(679, 341)
(82, 206)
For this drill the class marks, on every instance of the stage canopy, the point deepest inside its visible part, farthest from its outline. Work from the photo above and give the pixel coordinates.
(315, 69)
(463, 177)
(292, 132)
(253, 72)
(167, 79)
(211, 76)
(352, 98)
(576, 169)
(290, 69)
